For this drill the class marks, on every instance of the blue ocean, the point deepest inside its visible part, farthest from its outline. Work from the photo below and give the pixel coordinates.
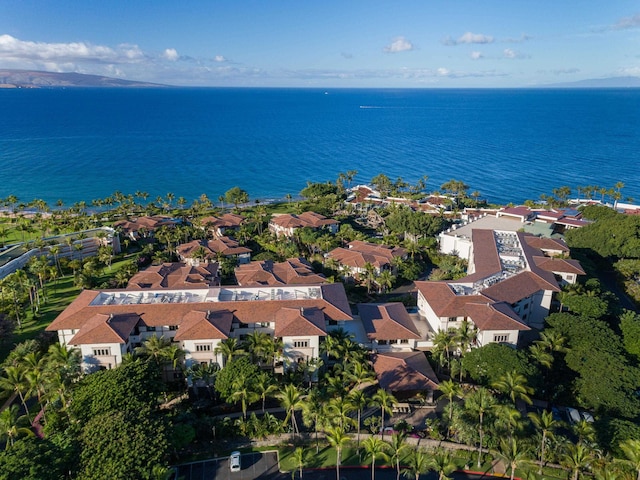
(510, 145)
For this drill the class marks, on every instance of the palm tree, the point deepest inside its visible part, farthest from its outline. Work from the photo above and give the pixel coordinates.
(264, 387)
(546, 424)
(385, 280)
(417, 465)
(375, 448)
(358, 401)
(450, 390)
(154, 348)
(15, 381)
(338, 439)
(359, 373)
(291, 399)
(514, 385)
(313, 411)
(443, 342)
(577, 457)
(227, 348)
(338, 410)
(300, 457)
(442, 463)
(631, 450)
(385, 401)
(512, 455)
(480, 402)
(11, 425)
(465, 336)
(243, 393)
(398, 448)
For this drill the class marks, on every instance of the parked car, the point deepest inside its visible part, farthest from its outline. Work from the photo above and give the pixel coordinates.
(573, 415)
(587, 417)
(234, 461)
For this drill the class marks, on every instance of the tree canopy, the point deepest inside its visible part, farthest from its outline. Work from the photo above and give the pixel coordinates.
(487, 364)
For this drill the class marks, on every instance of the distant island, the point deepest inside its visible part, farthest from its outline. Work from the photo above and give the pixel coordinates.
(36, 79)
(11, 78)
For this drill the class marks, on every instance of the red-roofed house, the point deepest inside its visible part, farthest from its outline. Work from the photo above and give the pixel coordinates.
(204, 251)
(143, 226)
(219, 226)
(293, 271)
(359, 253)
(176, 275)
(405, 374)
(286, 224)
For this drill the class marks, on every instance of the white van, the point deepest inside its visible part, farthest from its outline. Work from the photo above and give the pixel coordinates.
(234, 461)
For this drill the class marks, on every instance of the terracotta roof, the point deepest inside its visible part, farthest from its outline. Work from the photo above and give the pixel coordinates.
(198, 324)
(148, 223)
(293, 271)
(228, 220)
(387, 321)
(404, 371)
(494, 316)
(562, 265)
(333, 306)
(522, 285)
(222, 245)
(360, 253)
(546, 244)
(103, 328)
(444, 301)
(175, 275)
(306, 219)
(297, 322)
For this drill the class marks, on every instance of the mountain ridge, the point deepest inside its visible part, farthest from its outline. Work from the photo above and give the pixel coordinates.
(12, 78)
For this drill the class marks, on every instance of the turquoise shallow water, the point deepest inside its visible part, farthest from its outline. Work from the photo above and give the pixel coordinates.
(511, 145)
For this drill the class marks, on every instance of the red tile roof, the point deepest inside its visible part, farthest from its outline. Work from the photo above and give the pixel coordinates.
(306, 219)
(360, 253)
(293, 271)
(297, 322)
(387, 321)
(106, 328)
(198, 325)
(404, 371)
(223, 245)
(559, 265)
(175, 275)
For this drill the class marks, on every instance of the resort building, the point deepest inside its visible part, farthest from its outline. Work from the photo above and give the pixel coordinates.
(293, 271)
(143, 227)
(406, 375)
(107, 324)
(176, 275)
(508, 290)
(358, 254)
(205, 251)
(222, 225)
(286, 224)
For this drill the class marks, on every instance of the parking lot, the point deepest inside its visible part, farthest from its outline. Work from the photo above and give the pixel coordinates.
(253, 465)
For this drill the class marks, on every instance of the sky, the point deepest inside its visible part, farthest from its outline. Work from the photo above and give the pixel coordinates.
(326, 43)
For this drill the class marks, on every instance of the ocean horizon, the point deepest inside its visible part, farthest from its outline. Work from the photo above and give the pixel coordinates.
(80, 144)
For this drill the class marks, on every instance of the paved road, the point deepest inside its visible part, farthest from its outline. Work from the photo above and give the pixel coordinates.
(265, 466)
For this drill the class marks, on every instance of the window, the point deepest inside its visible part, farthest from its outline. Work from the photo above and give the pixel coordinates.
(382, 342)
(203, 347)
(404, 341)
(151, 329)
(300, 343)
(501, 338)
(101, 352)
(173, 327)
(264, 324)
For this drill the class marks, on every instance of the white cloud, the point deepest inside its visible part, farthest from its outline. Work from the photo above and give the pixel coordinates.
(219, 59)
(476, 55)
(521, 39)
(16, 50)
(468, 37)
(513, 54)
(627, 22)
(443, 72)
(629, 72)
(171, 54)
(399, 44)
